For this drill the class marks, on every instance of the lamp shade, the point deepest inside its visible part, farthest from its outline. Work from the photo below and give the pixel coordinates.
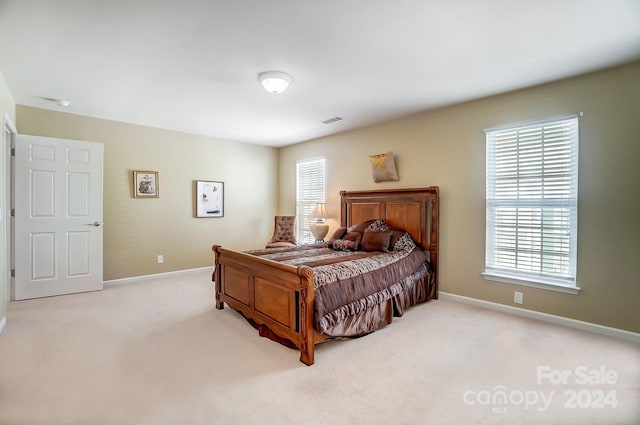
(319, 212)
(274, 81)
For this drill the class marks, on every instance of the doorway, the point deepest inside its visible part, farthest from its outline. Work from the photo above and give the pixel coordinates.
(6, 223)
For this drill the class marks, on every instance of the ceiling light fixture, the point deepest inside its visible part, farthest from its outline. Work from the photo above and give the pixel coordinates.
(274, 81)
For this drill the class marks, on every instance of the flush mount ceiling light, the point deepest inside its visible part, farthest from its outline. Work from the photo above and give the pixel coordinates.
(274, 81)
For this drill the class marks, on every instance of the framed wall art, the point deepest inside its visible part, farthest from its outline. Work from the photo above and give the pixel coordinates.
(145, 184)
(209, 198)
(383, 167)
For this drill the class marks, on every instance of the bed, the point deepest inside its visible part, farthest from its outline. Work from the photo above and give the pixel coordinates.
(283, 291)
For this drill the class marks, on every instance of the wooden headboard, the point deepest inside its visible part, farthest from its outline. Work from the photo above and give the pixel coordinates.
(414, 210)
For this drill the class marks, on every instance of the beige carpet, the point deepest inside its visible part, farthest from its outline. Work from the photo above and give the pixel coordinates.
(157, 352)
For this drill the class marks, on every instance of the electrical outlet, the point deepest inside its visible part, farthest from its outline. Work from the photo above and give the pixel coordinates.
(160, 259)
(517, 297)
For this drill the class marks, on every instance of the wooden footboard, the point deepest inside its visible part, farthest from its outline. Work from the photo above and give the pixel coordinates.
(269, 293)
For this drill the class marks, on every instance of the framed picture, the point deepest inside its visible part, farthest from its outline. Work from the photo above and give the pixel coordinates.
(145, 184)
(209, 199)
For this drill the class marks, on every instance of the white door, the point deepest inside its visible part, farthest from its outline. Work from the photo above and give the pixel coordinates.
(58, 217)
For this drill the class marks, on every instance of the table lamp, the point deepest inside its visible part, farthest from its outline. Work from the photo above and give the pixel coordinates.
(319, 228)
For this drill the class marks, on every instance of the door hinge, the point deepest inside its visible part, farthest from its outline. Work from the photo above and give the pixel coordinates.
(13, 272)
(13, 212)
(13, 151)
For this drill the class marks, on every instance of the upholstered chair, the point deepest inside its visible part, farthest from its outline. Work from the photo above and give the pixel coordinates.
(283, 232)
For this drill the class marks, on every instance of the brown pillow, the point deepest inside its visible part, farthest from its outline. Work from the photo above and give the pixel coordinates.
(353, 236)
(361, 226)
(376, 241)
(339, 233)
(349, 242)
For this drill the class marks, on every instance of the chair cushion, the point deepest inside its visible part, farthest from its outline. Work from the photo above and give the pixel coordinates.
(280, 244)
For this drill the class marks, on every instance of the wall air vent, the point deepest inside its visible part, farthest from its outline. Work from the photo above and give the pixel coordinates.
(332, 120)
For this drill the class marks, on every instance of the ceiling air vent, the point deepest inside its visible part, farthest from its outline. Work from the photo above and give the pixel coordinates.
(332, 120)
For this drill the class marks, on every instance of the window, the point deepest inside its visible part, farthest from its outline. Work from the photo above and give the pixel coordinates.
(310, 175)
(532, 204)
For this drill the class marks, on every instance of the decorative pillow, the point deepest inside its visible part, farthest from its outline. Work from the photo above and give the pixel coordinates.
(383, 167)
(344, 245)
(353, 236)
(378, 225)
(373, 240)
(395, 237)
(404, 243)
(361, 226)
(338, 234)
(349, 242)
(401, 240)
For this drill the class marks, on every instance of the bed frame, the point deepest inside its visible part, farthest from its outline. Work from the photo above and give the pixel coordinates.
(280, 297)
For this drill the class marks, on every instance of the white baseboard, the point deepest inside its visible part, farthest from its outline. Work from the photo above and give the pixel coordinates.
(3, 323)
(558, 320)
(128, 280)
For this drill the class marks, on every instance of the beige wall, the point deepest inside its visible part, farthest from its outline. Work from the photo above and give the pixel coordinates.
(446, 147)
(137, 230)
(8, 107)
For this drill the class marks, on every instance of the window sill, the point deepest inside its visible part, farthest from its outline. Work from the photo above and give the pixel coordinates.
(541, 284)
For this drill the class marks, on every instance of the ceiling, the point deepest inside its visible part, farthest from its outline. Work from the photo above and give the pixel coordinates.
(192, 66)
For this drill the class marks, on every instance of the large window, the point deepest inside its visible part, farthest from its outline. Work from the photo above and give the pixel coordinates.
(310, 175)
(532, 203)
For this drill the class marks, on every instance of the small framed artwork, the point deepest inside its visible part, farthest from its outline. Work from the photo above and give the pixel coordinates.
(209, 199)
(383, 167)
(145, 184)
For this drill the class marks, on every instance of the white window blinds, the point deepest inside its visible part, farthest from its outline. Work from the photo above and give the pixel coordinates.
(310, 189)
(532, 201)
